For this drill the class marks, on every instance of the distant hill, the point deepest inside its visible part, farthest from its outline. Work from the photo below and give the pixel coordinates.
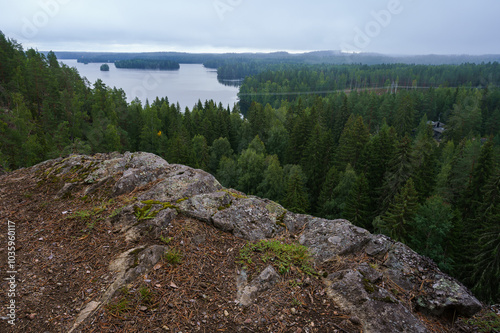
(327, 57)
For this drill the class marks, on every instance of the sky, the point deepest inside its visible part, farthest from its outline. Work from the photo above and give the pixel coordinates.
(381, 26)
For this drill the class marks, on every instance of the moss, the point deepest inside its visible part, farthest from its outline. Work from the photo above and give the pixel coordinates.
(281, 255)
(181, 200)
(224, 206)
(280, 220)
(173, 256)
(369, 287)
(234, 194)
(146, 212)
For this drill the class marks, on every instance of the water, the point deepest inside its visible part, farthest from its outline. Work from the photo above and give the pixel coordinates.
(192, 82)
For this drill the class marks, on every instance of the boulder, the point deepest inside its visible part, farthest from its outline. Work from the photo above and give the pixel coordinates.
(327, 238)
(250, 218)
(377, 309)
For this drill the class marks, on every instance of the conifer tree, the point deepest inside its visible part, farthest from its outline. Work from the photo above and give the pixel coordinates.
(220, 147)
(335, 207)
(331, 181)
(296, 194)
(352, 142)
(200, 152)
(397, 221)
(485, 259)
(271, 186)
(400, 169)
(431, 230)
(357, 206)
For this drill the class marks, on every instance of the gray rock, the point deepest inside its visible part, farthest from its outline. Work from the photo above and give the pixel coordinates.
(376, 309)
(250, 218)
(327, 238)
(370, 273)
(181, 182)
(261, 283)
(447, 294)
(204, 206)
(197, 194)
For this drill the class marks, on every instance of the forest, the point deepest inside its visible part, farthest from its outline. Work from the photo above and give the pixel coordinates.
(148, 64)
(373, 156)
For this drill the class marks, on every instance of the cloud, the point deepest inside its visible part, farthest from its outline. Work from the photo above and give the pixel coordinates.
(422, 26)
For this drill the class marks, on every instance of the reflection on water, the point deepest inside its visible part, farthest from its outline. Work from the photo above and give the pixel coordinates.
(192, 82)
(231, 83)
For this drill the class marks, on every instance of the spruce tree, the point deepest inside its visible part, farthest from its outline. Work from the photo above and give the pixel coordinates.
(357, 206)
(296, 198)
(399, 170)
(352, 142)
(398, 219)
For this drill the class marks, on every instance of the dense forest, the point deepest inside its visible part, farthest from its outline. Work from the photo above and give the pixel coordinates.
(148, 64)
(374, 157)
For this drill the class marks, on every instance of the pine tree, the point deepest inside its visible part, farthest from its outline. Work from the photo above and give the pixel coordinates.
(485, 259)
(405, 116)
(425, 163)
(335, 207)
(397, 221)
(431, 230)
(331, 181)
(220, 147)
(296, 194)
(400, 169)
(200, 152)
(352, 142)
(271, 186)
(357, 206)
(315, 161)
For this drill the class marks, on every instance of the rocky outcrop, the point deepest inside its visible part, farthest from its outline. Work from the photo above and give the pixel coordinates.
(380, 281)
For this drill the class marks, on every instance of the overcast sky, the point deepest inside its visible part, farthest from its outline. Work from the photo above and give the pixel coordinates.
(384, 26)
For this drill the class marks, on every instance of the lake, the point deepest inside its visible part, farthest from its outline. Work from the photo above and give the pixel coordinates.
(192, 82)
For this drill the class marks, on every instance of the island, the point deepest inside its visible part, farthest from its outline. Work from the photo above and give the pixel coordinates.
(105, 68)
(148, 64)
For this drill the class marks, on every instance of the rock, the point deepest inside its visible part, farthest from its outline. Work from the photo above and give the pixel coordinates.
(376, 309)
(204, 206)
(327, 239)
(184, 191)
(448, 294)
(264, 281)
(67, 188)
(250, 218)
(131, 264)
(378, 246)
(180, 182)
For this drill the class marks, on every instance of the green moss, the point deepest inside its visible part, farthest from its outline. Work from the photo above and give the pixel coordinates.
(281, 255)
(173, 256)
(120, 307)
(234, 194)
(369, 287)
(488, 322)
(146, 212)
(224, 206)
(280, 220)
(181, 200)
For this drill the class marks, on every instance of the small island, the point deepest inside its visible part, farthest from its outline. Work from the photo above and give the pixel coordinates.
(148, 64)
(105, 68)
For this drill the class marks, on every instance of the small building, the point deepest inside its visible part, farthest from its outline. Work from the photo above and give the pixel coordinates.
(438, 128)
